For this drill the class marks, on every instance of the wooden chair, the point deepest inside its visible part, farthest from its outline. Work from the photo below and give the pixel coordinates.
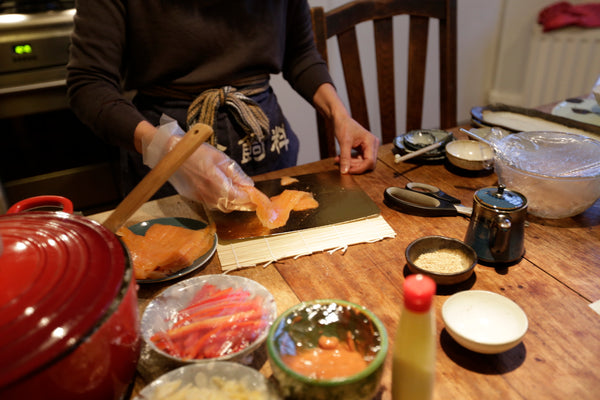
(341, 22)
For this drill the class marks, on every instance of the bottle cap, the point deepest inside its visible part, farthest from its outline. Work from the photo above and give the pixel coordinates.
(418, 292)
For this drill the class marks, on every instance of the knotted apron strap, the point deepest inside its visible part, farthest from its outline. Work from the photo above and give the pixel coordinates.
(246, 112)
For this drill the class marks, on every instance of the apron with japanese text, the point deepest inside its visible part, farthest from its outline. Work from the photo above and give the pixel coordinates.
(265, 143)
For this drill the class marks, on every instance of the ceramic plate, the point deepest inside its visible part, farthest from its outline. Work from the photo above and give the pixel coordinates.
(142, 227)
(433, 155)
(584, 110)
(525, 116)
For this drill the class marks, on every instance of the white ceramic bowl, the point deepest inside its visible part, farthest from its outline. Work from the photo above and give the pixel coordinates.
(596, 91)
(206, 379)
(161, 312)
(484, 322)
(471, 155)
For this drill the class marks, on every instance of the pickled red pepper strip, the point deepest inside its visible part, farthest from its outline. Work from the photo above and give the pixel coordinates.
(211, 322)
(213, 296)
(221, 308)
(244, 332)
(237, 296)
(214, 323)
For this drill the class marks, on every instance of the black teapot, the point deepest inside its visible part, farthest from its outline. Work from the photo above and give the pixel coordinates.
(497, 228)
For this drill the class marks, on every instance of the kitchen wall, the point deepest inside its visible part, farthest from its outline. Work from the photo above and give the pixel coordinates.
(492, 49)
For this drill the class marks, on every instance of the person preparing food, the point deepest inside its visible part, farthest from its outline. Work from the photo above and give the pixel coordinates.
(208, 62)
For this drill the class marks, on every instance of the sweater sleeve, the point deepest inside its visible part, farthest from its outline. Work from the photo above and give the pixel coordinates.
(303, 66)
(94, 72)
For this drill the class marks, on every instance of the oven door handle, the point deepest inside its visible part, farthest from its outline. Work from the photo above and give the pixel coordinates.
(33, 87)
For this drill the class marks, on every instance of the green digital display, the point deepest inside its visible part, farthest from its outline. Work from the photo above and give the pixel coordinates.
(22, 49)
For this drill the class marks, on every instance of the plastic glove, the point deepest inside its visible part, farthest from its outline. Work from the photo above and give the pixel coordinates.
(208, 175)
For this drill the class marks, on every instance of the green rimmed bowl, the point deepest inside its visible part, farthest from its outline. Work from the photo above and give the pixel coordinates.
(301, 327)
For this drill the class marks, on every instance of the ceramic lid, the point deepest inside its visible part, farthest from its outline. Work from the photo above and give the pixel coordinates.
(61, 274)
(501, 199)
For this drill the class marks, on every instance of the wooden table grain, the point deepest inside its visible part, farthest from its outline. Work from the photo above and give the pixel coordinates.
(554, 283)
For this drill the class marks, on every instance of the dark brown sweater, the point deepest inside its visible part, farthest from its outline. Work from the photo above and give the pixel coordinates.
(137, 44)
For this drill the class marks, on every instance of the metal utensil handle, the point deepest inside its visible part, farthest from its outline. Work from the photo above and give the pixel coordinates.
(477, 137)
(197, 135)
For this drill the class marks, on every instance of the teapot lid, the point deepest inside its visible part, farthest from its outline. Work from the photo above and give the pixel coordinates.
(501, 198)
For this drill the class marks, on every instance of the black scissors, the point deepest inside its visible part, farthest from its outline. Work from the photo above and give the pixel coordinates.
(423, 199)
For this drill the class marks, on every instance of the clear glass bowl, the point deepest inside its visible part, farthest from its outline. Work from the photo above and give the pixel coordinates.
(558, 173)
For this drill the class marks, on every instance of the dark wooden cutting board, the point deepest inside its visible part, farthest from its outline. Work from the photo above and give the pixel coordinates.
(340, 200)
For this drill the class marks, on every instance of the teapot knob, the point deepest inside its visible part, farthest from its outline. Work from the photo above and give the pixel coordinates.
(500, 191)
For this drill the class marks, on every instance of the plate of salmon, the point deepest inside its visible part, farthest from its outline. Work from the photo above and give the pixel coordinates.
(167, 248)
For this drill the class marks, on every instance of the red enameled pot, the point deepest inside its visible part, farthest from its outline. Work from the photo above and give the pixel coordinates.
(69, 326)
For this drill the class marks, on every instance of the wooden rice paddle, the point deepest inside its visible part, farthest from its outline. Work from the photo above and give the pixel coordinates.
(197, 135)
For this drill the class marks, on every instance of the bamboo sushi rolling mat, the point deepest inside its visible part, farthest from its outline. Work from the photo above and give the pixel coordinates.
(242, 253)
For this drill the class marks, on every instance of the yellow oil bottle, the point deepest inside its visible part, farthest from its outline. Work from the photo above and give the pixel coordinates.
(413, 370)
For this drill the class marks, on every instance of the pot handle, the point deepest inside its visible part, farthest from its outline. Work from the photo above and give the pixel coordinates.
(500, 235)
(42, 201)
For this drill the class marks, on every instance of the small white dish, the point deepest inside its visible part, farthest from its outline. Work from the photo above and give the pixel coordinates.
(471, 155)
(484, 322)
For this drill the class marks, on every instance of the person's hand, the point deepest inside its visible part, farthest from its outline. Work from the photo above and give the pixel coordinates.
(358, 146)
(208, 175)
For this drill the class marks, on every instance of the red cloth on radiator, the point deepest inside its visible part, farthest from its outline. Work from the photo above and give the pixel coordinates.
(563, 13)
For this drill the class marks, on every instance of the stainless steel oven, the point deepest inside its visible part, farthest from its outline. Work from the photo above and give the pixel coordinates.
(44, 149)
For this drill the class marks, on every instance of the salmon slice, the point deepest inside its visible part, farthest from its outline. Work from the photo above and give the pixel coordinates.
(275, 212)
(165, 249)
(264, 209)
(287, 180)
(140, 258)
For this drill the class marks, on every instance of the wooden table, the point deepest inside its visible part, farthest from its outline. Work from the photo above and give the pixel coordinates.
(555, 283)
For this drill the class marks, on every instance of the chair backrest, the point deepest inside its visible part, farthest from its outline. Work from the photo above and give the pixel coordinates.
(341, 22)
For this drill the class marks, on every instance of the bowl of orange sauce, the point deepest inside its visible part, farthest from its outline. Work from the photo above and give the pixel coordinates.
(327, 349)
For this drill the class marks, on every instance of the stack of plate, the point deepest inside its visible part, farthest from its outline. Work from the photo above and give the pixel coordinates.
(417, 139)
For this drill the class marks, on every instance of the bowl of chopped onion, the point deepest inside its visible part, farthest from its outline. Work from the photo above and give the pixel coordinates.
(204, 319)
(213, 380)
(446, 260)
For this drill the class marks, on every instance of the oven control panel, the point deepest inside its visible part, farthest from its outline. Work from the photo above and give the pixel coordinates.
(33, 47)
(31, 51)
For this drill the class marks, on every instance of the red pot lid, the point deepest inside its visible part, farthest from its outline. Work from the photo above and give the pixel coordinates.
(60, 277)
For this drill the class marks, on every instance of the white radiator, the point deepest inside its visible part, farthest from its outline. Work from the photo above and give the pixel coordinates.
(561, 64)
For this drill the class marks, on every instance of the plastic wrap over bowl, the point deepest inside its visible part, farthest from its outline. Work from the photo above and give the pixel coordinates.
(559, 173)
(204, 319)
